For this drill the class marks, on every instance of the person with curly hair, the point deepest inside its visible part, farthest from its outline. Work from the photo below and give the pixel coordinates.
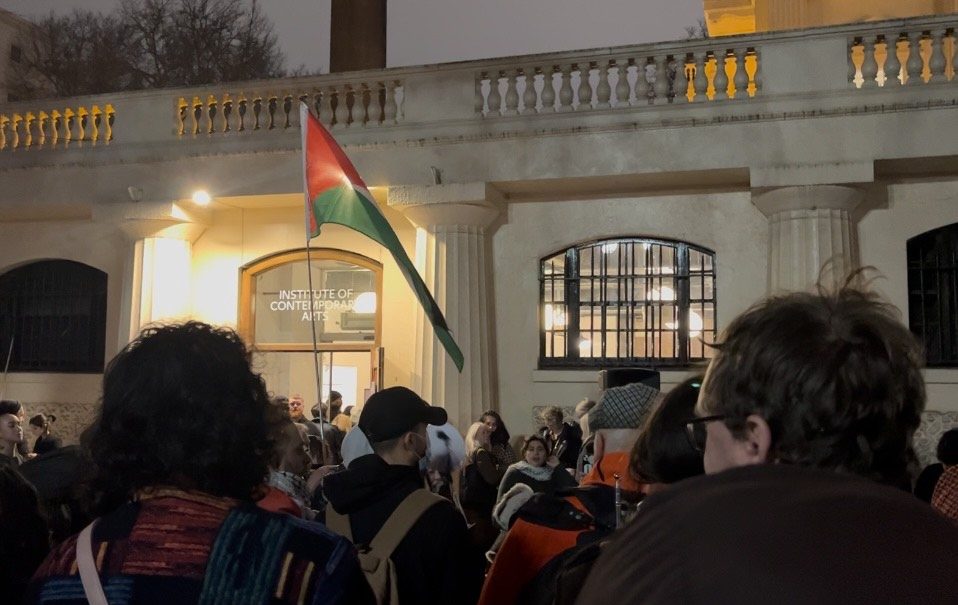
(180, 444)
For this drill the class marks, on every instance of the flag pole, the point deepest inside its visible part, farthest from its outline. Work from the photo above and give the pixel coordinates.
(303, 125)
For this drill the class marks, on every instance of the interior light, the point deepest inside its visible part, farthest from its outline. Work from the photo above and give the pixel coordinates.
(365, 303)
(585, 347)
(201, 197)
(554, 317)
(610, 248)
(695, 324)
(666, 293)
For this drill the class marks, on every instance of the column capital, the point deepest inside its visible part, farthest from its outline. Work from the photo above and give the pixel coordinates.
(808, 197)
(140, 220)
(467, 204)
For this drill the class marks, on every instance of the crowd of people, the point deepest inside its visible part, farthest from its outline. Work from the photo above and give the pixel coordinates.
(784, 473)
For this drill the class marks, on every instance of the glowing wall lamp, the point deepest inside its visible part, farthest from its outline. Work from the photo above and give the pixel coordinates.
(201, 197)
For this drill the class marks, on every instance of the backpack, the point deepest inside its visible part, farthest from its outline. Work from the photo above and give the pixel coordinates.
(375, 559)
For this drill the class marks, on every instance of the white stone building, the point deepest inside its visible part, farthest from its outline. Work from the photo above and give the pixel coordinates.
(570, 211)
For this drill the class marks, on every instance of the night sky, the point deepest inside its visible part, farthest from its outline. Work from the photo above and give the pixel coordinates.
(436, 31)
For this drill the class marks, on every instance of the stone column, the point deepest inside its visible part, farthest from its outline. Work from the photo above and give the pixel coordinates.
(810, 226)
(452, 254)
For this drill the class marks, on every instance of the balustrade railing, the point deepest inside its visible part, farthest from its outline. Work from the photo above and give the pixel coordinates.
(363, 104)
(902, 58)
(630, 80)
(53, 128)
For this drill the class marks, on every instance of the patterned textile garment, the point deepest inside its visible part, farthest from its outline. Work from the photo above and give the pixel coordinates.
(177, 547)
(945, 497)
(504, 454)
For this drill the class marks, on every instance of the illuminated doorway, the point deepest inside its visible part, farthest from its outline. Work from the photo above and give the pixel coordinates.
(277, 317)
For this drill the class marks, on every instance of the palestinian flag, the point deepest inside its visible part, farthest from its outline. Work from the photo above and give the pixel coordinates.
(335, 193)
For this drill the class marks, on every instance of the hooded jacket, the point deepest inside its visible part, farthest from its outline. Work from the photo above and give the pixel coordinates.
(435, 562)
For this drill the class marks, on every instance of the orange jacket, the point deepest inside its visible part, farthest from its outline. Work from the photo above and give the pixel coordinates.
(529, 546)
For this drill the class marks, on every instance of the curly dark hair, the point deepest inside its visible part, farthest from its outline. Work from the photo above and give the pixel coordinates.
(501, 434)
(836, 376)
(181, 407)
(663, 452)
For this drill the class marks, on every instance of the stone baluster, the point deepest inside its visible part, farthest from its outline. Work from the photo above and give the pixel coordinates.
(701, 80)
(512, 95)
(55, 126)
(661, 85)
(480, 106)
(390, 110)
(271, 107)
(810, 226)
(937, 62)
(548, 90)
(400, 100)
(642, 88)
(651, 76)
(925, 50)
(603, 90)
(674, 76)
(741, 77)
(341, 112)
(565, 88)
(28, 120)
(95, 118)
(903, 54)
(948, 49)
(455, 263)
(529, 96)
(711, 75)
(209, 116)
(721, 78)
(380, 102)
(621, 83)
(15, 130)
(83, 115)
(856, 55)
(914, 61)
(494, 98)
(242, 106)
(110, 120)
(43, 119)
(4, 123)
(69, 117)
(585, 88)
(882, 63)
(287, 111)
(366, 100)
(257, 111)
(227, 113)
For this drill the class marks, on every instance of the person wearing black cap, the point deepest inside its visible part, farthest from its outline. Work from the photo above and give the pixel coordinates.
(435, 561)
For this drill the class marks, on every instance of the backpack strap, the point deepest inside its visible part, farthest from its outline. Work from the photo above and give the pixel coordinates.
(86, 564)
(401, 521)
(338, 523)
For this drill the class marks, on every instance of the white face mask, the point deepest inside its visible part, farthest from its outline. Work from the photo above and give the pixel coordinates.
(424, 458)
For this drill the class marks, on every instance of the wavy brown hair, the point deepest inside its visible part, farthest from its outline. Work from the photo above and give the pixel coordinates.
(836, 375)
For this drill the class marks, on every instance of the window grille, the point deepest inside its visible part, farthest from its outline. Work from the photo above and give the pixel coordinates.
(933, 294)
(54, 313)
(627, 301)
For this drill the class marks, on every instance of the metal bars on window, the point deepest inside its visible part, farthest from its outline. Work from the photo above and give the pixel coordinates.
(54, 313)
(627, 300)
(933, 294)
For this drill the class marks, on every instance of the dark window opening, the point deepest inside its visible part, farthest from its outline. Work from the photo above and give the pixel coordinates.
(933, 294)
(16, 53)
(54, 314)
(627, 301)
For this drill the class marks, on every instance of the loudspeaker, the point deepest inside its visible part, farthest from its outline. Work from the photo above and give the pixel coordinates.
(617, 377)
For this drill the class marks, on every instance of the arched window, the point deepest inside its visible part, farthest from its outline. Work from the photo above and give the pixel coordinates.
(933, 293)
(54, 313)
(626, 301)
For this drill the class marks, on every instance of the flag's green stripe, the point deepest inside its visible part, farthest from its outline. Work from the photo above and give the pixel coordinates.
(346, 206)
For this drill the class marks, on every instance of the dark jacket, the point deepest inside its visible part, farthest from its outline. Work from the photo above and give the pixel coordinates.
(570, 439)
(435, 562)
(779, 534)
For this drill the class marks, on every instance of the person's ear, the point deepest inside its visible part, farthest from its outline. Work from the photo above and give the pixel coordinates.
(758, 439)
(598, 447)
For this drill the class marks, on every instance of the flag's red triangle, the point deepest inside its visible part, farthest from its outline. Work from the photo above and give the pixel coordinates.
(326, 164)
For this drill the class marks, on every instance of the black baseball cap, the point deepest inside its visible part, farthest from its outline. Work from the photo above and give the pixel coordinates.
(394, 411)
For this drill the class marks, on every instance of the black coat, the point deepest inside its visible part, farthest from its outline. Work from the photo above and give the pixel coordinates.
(779, 534)
(435, 562)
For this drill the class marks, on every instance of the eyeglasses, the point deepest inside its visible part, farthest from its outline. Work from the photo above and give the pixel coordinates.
(696, 432)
